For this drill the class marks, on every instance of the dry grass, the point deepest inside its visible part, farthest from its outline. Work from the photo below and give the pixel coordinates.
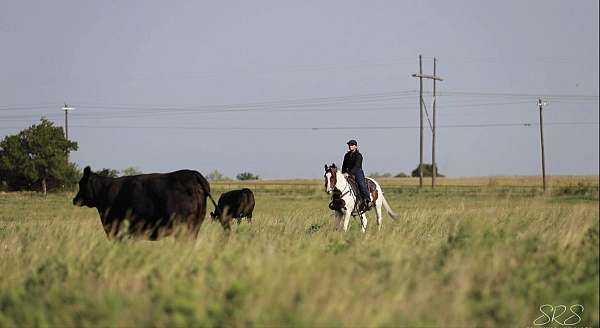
(453, 258)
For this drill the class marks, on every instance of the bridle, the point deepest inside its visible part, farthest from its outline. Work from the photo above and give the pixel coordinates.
(333, 182)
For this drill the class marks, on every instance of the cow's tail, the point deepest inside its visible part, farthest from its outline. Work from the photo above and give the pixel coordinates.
(387, 207)
(206, 188)
(217, 212)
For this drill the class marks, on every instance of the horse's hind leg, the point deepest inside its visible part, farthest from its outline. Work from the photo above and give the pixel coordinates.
(378, 206)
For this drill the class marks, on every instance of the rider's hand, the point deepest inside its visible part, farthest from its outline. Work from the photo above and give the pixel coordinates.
(345, 175)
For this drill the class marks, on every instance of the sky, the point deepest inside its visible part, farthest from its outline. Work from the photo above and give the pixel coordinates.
(277, 88)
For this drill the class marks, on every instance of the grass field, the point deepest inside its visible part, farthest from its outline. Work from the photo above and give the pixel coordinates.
(475, 252)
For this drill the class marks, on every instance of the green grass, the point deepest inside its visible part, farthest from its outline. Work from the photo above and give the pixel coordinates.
(485, 257)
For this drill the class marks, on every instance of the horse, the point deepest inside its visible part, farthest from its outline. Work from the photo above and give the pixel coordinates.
(344, 200)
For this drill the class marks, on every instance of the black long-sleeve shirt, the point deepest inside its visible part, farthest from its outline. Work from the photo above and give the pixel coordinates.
(352, 162)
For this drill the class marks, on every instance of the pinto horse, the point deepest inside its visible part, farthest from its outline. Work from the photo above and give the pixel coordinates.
(344, 200)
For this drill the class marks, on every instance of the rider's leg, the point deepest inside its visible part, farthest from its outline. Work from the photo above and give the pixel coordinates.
(362, 184)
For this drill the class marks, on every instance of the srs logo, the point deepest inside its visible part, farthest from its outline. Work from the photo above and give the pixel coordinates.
(557, 314)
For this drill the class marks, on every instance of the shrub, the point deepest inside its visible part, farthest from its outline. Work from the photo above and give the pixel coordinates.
(247, 176)
(427, 171)
(580, 189)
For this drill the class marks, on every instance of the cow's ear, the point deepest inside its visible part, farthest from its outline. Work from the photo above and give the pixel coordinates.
(325, 167)
(87, 171)
(333, 165)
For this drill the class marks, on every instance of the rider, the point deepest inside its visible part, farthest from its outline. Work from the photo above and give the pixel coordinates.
(353, 165)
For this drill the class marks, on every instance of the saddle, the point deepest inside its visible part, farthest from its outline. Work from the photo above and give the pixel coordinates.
(370, 185)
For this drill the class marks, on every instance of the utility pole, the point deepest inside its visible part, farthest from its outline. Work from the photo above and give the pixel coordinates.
(541, 105)
(433, 77)
(67, 108)
(420, 122)
(433, 166)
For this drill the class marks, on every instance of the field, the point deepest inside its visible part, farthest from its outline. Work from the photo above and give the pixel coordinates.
(474, 252)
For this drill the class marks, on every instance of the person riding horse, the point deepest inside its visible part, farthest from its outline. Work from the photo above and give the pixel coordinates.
(353, 165)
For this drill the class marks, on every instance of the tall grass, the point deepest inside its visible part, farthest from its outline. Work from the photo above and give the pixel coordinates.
(451, 259)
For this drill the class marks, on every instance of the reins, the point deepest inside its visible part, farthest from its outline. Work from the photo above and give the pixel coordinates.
(350, 191)
(347, 192)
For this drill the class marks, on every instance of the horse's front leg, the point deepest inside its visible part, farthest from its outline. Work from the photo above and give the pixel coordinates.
(363, 222)
(347, 215)
(339, 217)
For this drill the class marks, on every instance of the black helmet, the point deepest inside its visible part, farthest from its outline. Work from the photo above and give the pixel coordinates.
(352, 142)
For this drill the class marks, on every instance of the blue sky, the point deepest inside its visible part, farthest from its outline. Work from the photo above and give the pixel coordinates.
(242, 86)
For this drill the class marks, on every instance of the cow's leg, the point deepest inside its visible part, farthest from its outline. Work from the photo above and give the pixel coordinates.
(110, 222)
(195, 218)
(111, 229)
(107, 230)
(155, 233)
(193, 226)
(226, 223)
(363, 222)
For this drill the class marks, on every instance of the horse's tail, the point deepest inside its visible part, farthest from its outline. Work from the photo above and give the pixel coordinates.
(387, 207)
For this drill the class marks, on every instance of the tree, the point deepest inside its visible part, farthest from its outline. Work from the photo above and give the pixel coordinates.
(380, 175)
(427, 171)
(111, 173)
(37, 157)
(247, 176)
(401, 175)
(131, 171)
(15, 164)
(216, 176)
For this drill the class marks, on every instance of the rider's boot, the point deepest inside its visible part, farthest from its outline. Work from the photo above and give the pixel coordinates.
(368, 204)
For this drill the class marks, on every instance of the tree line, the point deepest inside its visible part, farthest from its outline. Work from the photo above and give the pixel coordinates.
(37, 158)
(427, 172)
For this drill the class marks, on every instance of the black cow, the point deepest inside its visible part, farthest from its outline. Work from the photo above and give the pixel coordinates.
(235, 204)
(152, 203)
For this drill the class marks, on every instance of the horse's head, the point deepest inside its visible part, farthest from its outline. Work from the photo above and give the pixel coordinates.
(330, 178)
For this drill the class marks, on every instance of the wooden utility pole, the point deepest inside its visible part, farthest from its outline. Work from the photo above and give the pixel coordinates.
(435, 78)
(420, 122)
(433, 166)
(541, 105)
(66, 108)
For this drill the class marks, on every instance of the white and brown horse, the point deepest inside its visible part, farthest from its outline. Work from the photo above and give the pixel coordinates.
(344, 199)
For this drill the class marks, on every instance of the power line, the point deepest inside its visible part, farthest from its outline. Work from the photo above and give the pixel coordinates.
(480, 125)
(315, 100)
(527, 95)
(26, 106)
(310, 100)
(364, 107)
